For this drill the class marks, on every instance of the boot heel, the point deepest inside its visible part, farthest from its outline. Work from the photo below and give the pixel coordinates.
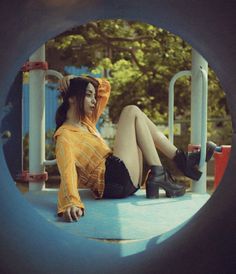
(160, 177)
(193, 173)
(152, 190)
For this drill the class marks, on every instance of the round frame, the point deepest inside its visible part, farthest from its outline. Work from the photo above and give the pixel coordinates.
(206, 244)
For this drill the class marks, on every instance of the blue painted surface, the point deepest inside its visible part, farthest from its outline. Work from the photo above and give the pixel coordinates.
(80, 71)
(51, 105)
(132, 218)
(13, 122)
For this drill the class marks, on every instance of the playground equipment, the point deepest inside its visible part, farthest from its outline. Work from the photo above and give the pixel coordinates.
(38, 70)
(199, 94)
(206, 244)
(221, 156)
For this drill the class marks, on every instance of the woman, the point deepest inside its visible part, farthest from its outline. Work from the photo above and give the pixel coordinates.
(83, 156)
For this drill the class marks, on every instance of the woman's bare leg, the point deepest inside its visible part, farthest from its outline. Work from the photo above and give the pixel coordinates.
(188, 167)
(160, 140)
(132, 134)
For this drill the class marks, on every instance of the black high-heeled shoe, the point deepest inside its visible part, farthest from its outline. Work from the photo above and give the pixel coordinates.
(188, 163)
(162, 179)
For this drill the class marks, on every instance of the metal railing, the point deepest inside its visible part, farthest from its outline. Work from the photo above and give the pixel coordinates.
(171, 102)
(199, 96)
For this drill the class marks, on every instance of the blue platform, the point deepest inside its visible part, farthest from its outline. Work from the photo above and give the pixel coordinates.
(131, 218)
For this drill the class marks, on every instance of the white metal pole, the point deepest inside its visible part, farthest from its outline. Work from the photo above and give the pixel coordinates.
(37, 119)
(197, 124)
(171, 102)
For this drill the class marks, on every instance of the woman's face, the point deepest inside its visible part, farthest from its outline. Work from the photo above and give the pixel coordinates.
(90, 100)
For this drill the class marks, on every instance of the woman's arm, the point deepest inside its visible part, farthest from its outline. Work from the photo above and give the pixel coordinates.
(103, 94)
(69, 202)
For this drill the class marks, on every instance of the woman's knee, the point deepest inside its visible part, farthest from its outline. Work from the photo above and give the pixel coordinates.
(131, 110)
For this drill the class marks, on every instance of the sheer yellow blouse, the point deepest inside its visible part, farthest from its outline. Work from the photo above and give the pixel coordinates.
(81, 154)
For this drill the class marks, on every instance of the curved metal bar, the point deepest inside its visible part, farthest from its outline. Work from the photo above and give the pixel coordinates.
(171, 102)
(54, 73)
(50, 162)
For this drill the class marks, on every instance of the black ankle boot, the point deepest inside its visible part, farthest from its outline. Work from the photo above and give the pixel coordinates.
(160, 177)
(210, 148)
(188, 162)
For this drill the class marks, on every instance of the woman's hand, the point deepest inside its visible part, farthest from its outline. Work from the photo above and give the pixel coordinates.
(64, 83)
(72, 213)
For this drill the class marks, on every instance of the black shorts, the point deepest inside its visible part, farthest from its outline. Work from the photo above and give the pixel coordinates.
(118, 183)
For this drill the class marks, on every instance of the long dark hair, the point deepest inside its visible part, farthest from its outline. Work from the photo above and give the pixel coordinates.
(77, 89)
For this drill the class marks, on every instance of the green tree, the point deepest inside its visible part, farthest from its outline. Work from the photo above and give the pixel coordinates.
(140, 60)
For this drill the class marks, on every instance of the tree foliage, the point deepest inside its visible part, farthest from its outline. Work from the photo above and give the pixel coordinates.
(140, 60)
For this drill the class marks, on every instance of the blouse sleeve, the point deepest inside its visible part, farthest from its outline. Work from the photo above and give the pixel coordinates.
(103, 95)
(68, 194)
